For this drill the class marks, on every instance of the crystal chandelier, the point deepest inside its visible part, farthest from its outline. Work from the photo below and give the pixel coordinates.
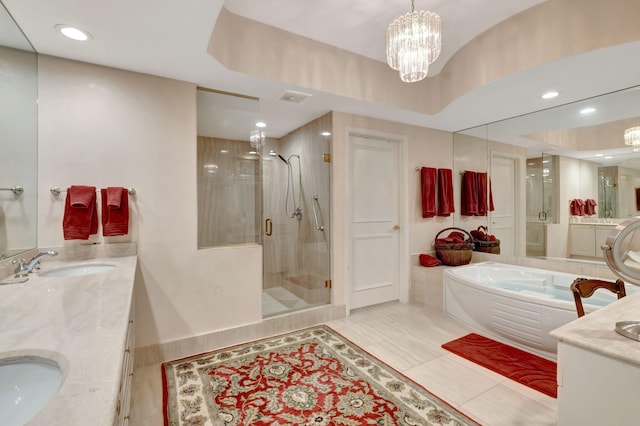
(632, 137)
(413, 42)
(256, 138)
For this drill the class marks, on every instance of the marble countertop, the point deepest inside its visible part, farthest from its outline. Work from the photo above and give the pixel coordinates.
(80, 322)
(596, 330)
(593, 224)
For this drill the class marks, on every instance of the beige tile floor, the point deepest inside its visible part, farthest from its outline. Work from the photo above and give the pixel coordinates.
(407, 338)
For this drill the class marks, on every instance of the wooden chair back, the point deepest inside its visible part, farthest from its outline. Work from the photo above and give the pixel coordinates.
(583, 287)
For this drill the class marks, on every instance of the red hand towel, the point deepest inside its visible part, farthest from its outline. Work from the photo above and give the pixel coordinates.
(573, 205)
(429, 261)
(80, 213)
(115, 221)
(469, 194)
(637, 198)
(580, 207)
(445, 192)
(114, 197)
(491, 207)
(590, 207)
(483, 194)
(428, 183)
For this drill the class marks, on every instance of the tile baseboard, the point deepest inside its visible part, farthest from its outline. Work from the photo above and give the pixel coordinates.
(158, 353)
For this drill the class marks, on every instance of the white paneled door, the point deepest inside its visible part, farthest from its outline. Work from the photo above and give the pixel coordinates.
(503, 225)
(374, 221)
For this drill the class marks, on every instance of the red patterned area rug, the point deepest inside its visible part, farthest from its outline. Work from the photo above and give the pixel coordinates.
(309, 377)
(530, 370)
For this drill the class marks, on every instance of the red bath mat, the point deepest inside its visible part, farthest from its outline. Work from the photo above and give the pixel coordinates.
(525, 368)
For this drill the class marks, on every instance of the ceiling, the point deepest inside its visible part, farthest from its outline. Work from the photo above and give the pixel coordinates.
(169, 38)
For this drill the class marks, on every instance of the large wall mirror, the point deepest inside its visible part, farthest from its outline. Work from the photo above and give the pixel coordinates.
(18, 139)
(579, 178)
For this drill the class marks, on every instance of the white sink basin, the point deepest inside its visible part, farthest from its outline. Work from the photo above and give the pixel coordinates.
(75, 270)
(26, 386)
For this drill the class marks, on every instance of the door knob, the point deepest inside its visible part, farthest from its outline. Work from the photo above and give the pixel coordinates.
(396, 227)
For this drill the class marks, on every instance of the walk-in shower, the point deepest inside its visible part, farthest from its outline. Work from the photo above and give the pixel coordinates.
(295, 181)
(257, 188)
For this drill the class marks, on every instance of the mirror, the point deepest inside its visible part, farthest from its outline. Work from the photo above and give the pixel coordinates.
(572, 152)
(18, 139)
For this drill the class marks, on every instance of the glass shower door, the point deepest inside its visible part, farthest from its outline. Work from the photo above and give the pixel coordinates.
(296, 205)
(541, 202)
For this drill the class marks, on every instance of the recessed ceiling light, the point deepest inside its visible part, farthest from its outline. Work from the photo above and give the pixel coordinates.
(608, 157)
(587, 110)
(599, 155)
(326, 133)
(223, 151)
(550, 94)
(73, 32)
(261, 124)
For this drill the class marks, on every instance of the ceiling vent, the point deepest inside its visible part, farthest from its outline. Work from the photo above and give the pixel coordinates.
(293, 96)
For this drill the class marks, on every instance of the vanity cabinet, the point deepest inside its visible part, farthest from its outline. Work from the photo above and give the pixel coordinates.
(585, 240)
(596, 389)
(599, 369)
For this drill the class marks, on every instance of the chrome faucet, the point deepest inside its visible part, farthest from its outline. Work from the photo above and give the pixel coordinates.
(24, 268)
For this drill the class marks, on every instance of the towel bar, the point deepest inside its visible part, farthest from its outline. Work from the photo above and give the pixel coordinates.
(17, 190)
(55, 190)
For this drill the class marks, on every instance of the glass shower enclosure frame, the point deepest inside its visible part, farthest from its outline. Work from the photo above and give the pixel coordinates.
(296, 202)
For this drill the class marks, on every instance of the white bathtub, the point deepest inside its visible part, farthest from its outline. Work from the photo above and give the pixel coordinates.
(514, 304)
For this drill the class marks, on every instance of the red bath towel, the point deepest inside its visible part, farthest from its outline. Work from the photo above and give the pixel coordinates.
(80, 213)
(485, 195)
(115, 211)
(428, 184)
(577, 207)
(590, 207)
(469, 194)
(445, 192)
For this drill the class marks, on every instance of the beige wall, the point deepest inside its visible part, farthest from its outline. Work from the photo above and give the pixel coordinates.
(18, 142)
(106, 127)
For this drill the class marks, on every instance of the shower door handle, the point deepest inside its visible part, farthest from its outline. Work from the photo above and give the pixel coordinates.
(268, 227)
(316, 205)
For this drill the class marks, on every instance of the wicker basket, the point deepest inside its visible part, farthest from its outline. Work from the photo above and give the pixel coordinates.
(454, 254)
(492, 247)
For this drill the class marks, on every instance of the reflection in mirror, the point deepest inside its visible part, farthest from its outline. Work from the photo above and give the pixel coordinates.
(541, 201)
(573, 155)
(18, 139)
(470, 153)
(474, 150)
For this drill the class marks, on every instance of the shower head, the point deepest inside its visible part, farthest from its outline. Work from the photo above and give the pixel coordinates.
(275, 154)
